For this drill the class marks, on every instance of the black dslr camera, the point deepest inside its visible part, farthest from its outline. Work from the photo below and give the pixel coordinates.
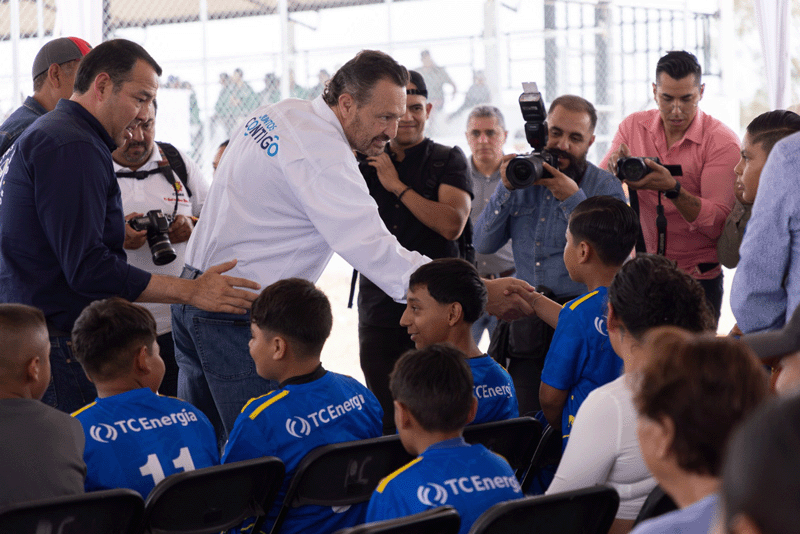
(634, 169)
(523, 170)
(157, 226)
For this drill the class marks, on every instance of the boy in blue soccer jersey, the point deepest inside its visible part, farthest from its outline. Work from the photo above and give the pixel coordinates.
(134, 437)
(444, 298)
(312, 407)
(601, 234)
(433, 397)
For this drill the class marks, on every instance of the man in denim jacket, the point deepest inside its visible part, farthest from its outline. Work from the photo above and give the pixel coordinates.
(535, 220)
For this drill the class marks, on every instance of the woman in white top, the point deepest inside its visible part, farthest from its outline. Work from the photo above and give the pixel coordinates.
(647, 292)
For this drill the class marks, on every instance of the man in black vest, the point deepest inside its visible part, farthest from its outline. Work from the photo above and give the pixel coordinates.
(424, 195)
(157, 176)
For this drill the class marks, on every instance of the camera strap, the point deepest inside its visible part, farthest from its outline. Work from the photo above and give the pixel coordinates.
(661, 227)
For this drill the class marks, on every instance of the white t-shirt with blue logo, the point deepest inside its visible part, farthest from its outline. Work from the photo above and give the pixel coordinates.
(137, 438)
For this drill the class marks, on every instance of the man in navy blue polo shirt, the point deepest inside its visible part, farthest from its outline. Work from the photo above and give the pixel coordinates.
(61, 220)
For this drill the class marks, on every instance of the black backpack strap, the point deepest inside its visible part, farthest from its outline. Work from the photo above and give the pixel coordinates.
(437, 165)
(176, 163)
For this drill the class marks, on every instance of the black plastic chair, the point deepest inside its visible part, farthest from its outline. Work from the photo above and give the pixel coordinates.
(212, 499)
(441, 520)
(656, 504)
(341, 474)
(583, 511)
(513, 439)
(117, 511)
(548, 452)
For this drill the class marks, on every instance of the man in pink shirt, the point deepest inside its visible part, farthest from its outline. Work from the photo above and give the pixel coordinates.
(698, 201)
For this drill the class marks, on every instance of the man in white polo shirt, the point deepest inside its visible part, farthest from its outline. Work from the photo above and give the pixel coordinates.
(287, 194)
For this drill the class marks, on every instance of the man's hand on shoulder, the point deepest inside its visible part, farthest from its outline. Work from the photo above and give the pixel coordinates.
(561, 185)
(181, 229)
(216, 292)
(387, 174)
(134, 239)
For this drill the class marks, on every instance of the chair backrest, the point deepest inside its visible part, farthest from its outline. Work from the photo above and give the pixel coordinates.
(548, 452)
(513, 439)
(342, 473)
(213, 499)
(584, 511)
(117, 511)
(656, 504)
(441, 520)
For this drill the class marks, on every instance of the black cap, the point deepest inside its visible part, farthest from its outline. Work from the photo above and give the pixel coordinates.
(419, 81)
(776, 343)
(59, 51)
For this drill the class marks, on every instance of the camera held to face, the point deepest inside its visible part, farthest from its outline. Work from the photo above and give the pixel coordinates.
(524, 170)
(157, 226)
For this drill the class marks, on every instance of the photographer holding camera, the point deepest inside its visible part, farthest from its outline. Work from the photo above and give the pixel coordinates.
(534, 217)
(701, 198)
(156, 176)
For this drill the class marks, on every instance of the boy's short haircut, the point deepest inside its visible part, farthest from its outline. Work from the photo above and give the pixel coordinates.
(772, 126)
(297, 309)
(452, 280)
(608, 224)
(17, 321)
(107, 334)
(435, 384)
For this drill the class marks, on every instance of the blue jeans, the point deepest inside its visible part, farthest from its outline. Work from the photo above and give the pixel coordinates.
(69, 389)
(484, 322)
(216, 372)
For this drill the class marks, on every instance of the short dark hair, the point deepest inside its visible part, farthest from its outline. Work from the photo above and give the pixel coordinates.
(17, 323)
(107, 334)
(116, 58)
(485, 110)
(759, 476)
(650, 291)
(772, 126)
(678, 64)
(358, 77)
(224, 144)
(297, 309)
(706, 385)
(435, 384)
(608, 224)
(452, 280)
(575, 103)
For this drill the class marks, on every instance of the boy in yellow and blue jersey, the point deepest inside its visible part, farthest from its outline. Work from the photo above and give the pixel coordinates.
(312, 407)
(134, 437)
(601, 234)
(433, 397)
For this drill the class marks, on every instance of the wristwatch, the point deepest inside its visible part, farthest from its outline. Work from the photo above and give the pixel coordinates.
(673, 193)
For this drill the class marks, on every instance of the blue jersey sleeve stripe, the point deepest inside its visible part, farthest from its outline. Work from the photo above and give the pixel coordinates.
(385, 481)
(582, 299)
(274, 399)
(78, 412)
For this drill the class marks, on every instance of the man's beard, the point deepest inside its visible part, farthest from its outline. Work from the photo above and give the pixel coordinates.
(360, 142)
(577, 166)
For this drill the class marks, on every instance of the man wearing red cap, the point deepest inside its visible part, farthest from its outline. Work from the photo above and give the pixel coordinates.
(53, 72)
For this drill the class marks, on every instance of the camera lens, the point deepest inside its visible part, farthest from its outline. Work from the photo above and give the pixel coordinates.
(632, 169)
(522, 171)
(161, 248)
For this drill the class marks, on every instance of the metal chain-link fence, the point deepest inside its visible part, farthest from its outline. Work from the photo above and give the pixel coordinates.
(223, 58)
